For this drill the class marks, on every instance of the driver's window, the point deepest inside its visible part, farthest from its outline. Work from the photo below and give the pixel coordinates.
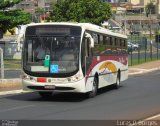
(29, 50)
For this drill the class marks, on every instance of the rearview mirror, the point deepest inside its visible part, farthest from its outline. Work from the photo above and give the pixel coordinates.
(87, 35)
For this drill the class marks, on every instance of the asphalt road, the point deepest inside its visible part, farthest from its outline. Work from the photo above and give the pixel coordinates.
(12, 74)
(138, 98)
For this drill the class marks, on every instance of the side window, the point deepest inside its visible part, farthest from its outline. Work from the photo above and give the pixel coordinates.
(101, 46)
(111, 41)
(119, 46)
(125, 43)
(108, 45)
(96, 45)
(115, 42)
(101, 39)
(87, 48)
(115, 46)
(105, 40)
(124, 47)
(95, 37)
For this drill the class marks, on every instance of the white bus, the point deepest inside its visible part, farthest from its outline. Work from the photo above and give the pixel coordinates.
(72, 57)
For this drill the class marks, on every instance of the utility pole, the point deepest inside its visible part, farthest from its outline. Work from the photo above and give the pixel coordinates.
(150, 29)
(158, 9)
(44, 10)
(2, 63)
(125, 23)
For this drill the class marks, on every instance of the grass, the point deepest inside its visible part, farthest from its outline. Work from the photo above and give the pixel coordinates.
(12, 64)
(141, 61)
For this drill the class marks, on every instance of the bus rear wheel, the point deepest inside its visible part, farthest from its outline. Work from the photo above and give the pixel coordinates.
(45, 94)
(94, 90)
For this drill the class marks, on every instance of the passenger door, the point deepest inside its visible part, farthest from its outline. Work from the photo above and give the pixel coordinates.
(86, 55)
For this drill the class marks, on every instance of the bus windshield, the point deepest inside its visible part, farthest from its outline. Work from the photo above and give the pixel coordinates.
(49, 53)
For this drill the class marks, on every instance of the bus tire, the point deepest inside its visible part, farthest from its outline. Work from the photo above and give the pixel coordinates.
(117, 84)
(45, 94)
(94, 90)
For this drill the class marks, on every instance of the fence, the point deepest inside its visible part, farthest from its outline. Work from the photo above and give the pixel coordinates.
(143, 48)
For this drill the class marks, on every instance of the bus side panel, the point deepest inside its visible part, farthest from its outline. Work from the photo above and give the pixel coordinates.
(107, 68)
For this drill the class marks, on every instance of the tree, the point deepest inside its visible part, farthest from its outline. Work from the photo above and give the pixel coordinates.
(93, 11)
(11, 18)
(8, 3)
(150, 8)
(38, 13)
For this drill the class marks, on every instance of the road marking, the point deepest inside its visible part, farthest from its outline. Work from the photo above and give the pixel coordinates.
(153, 117)
(16, 108)
(145, 120)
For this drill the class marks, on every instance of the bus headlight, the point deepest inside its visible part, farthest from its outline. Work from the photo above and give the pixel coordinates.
(24, 76)
(75, 78)
(29, 78)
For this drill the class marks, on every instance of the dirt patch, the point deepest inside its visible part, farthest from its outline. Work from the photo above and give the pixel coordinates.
(10, 84)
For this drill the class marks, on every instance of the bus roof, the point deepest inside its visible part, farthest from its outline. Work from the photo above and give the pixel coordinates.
(86, 26)
(99, 29)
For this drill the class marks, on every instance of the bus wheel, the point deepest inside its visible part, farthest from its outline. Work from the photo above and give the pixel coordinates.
(45, 94)
(93, 93)
(117, 84)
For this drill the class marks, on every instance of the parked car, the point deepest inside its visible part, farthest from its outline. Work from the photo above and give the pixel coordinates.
(132, 47)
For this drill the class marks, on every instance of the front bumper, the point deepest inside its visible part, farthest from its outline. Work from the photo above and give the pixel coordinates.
(78, 86)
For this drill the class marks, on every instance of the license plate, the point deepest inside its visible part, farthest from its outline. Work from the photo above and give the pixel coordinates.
(49, 87)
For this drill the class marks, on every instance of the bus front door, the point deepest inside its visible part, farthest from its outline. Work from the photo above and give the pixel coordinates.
(88, 55)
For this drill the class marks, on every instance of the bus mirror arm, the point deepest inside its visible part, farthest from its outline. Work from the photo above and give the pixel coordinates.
(87, 35)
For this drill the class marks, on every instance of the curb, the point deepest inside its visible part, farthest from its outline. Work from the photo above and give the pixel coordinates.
(155, 117)
(11, 92)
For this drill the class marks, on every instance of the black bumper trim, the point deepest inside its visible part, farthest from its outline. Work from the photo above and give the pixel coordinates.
(56, 88)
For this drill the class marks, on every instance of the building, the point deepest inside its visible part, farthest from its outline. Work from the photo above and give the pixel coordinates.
(46, 4)
(134, 2)
(142, 2)
(115, 1)
(31, 5)
(27, 5)
(145, 2)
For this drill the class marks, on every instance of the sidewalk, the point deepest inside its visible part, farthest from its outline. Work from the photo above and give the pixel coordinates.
(16, 84)
(144, 68)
